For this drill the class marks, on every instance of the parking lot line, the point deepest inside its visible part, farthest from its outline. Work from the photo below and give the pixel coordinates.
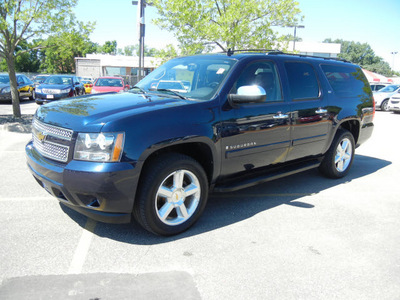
(82, 249)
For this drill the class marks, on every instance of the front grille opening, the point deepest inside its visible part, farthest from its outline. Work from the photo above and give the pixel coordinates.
(58, 194)
(89, 200)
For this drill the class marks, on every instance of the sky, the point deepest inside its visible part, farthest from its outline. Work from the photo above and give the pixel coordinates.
(366, 21)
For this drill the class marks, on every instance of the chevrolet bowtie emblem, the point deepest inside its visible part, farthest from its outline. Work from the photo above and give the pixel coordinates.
(41, 136)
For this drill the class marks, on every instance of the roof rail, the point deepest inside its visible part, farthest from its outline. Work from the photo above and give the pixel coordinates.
(230, 52)
(313, 56)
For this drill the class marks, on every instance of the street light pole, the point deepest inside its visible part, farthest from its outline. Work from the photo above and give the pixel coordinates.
(394, 54)
(294, 37)
(141, 33)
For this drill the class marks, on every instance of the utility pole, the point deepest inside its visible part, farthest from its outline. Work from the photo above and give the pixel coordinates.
(141, 33)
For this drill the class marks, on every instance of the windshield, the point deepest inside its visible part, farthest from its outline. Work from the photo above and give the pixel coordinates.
(4, 79)
(58, 80)
(109, 82)
(389, 88)
(190, 77)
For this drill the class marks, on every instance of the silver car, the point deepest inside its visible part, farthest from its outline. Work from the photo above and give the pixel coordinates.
(382, 96)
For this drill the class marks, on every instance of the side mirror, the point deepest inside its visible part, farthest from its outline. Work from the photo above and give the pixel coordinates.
(248, 94)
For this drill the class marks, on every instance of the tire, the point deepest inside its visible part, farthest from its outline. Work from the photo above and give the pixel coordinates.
(339, 158)
(33, 96)
(172, 194)
(384, 105)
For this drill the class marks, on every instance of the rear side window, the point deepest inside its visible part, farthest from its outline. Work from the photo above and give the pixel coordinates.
(346, 81)
(303, 82)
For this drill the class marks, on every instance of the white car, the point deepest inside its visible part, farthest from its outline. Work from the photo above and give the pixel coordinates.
(394, 102)
(382, 96)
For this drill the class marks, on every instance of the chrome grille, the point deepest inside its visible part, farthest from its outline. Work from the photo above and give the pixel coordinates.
(50, 91)
(51, 150)
(62, 133)
(41, 132)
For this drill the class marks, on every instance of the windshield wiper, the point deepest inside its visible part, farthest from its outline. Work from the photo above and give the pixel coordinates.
(172, 92)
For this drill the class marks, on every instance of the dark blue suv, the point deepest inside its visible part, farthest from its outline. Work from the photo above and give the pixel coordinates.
(210, 122)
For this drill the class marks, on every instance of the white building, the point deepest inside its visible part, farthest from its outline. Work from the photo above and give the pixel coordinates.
(96, 65)
(316, 49)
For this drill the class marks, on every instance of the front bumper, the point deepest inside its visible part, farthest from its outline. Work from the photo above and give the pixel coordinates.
(51, 97)
(394, 105)
(102, 191)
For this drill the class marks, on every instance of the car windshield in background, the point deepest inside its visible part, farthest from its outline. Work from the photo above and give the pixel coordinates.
(58, 80)
(194, 78)
(109, 82)
(4, 79)
(389, 88)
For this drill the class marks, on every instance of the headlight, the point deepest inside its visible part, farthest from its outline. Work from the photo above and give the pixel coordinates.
(101, 147)
(7, 89)
(67, 90)
(38, 90)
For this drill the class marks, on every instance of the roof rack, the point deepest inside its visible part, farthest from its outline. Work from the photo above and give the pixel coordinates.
(230, 52)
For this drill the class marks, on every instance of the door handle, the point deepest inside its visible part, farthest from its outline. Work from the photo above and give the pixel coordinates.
(279, 115)
(321, 111)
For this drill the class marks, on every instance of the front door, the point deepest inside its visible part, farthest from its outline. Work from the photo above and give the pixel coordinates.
(256, 134)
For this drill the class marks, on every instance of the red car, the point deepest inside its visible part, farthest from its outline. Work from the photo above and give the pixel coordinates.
(109, 84)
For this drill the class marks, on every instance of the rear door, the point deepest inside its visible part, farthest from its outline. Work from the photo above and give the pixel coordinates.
(308, 110)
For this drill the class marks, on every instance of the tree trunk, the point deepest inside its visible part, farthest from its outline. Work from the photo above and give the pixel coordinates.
(13, 85)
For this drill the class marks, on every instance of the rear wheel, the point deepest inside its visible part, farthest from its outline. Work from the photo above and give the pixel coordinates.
(339, 158)
(172, 194)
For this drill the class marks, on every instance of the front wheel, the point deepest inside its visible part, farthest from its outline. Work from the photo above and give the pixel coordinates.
(33, 95)
(172, 194)
(384, 105)
(339, 158)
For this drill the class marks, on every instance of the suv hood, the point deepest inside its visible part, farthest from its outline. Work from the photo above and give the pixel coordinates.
(90, 113)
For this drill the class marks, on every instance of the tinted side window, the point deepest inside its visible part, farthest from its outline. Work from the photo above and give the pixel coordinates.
(263, 74)
(346, 81)
(303, 81)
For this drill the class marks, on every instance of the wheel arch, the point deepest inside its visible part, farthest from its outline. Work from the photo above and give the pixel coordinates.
(353, 126)
(200, 151)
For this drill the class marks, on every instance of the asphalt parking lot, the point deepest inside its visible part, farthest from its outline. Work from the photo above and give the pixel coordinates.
(301, 237)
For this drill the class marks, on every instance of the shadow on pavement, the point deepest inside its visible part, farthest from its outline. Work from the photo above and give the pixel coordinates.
(224, 209)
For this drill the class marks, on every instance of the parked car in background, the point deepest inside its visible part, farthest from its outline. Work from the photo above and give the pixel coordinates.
(394, 102)
(88, 85)
(86, 78)
(57, 87)
(38, 79)
(26, 87)
(378, 86)
(382, 96)
(109, 84)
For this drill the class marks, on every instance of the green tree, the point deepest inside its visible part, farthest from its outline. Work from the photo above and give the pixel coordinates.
(200, 25)
(22, 20)
(61, 49)
(27, 61)
(363, 55)
(109, 47)
(167, 53)
(133, 50)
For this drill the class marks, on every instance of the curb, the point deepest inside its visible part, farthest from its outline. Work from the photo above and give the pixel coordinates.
(16, 127)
